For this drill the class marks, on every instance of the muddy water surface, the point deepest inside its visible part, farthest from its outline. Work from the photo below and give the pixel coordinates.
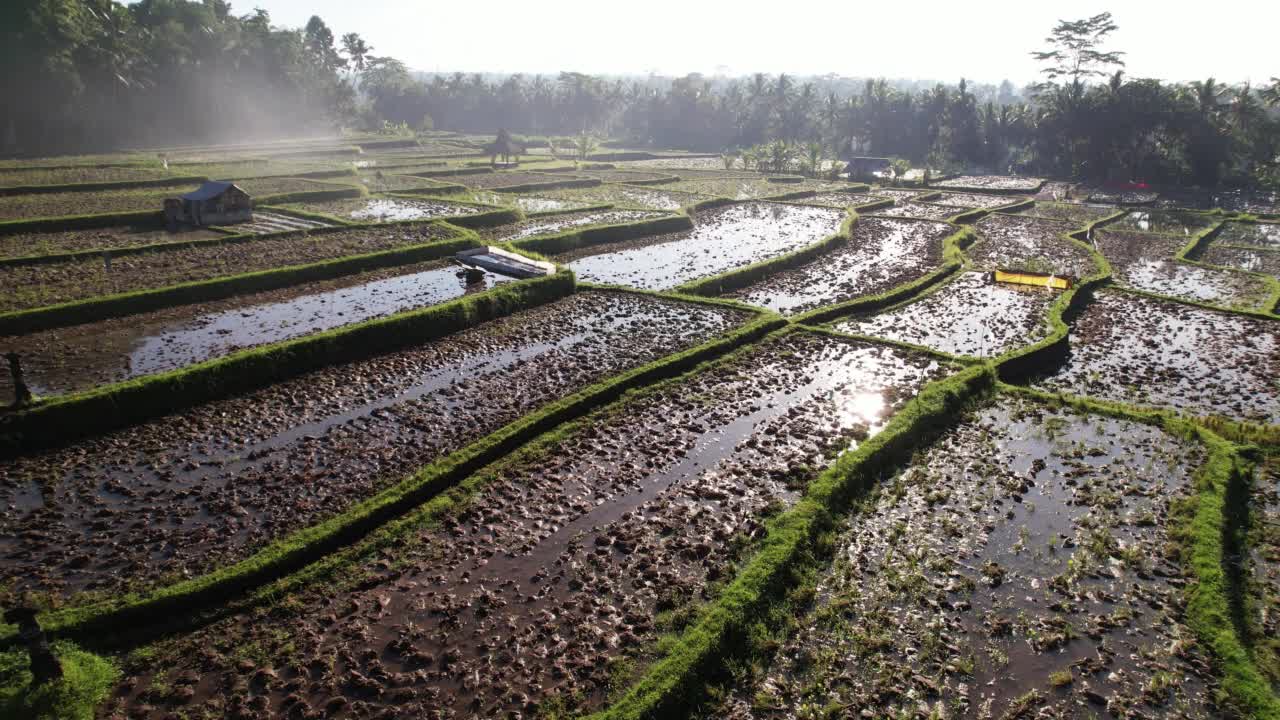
(185, 493)
(1018, 242)
(1020, 568)
(883, 253)
(1146, 261)
(1130, 348)
(1265, 235)
(566, 562)
(72, 359)
(1172, 222)
(722, 239)
(1077, 213)
(567, 221)
(926, 210)
(1250, 259)
(968, 316)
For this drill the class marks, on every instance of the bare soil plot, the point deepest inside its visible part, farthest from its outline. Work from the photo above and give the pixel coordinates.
(1146, 261)
(1173, 222)
(20, 176)
(1019, 242)
(723, 239)
(1266, 235)
(970, 315)
(924, 210)
(991, 182)
(79, 357)
(90, 202)
(1130, 348)
(1259, 260)
(1021, 567)
(1077, 213)
(567, 565)
(882, 254)
(1257, 202)
(48, 243)
(1264, 566)
(385, 209)
(37, 285)
(567, 221)
(187, 493)
(25, 207)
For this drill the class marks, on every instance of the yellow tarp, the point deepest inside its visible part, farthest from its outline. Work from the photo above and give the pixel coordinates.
(1026, 278)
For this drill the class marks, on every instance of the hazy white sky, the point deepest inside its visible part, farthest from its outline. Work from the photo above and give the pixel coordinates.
(1233, 40)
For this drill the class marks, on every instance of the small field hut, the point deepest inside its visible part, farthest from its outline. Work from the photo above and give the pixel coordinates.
(213, 203)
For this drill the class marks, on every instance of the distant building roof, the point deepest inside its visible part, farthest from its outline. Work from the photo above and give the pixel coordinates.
(210, 190)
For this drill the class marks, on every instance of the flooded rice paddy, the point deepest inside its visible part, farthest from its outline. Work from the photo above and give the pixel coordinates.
(845, 199)
(500, 609)
(924, 210)
(1021, 567)
(1018, 242)
(722, 239)
(647, 197)
(385, 209)
(81, 357)
(883, 253)
(976, 200)
(1249, 259)
(1077, 213)
(1172, 222)
(78, 279)
(1265, 235)
(183, 494)
(1145, 261)
(1135, 349)
(567, 221)
(971, 315)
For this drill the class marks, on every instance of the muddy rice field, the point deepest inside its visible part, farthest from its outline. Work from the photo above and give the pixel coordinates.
(501, 609)
(386, 209)
(48, 243)
(970, 315)
(722, 239)
(80, 357)
(882, 254)
(1146, 261)
(81, 278)
(1134, 349)
(1017, 242)
(1017, 568)
(182, 494)
(1018, 558)
(563, 222)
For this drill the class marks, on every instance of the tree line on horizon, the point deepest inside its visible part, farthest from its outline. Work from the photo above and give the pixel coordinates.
(95, 74)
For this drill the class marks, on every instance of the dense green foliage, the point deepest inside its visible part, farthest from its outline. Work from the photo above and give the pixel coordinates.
(86, 681)
(100, 74)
